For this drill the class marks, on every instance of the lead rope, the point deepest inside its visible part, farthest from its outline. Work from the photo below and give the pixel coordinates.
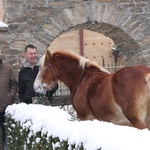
(75, 88)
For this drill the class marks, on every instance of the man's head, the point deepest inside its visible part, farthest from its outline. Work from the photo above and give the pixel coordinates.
(30, 54)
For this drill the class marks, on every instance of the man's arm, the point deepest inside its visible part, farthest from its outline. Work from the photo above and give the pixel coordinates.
(12, 84)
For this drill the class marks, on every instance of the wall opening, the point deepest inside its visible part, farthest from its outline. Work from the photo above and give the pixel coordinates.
(95, 46)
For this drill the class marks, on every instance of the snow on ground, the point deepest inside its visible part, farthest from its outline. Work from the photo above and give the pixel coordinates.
(93, 134)
(2, 24)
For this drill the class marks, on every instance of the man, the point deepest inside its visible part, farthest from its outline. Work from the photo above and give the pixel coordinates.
(8, 90)
(28, 74)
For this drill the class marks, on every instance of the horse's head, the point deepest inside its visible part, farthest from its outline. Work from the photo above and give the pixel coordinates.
(47, 76)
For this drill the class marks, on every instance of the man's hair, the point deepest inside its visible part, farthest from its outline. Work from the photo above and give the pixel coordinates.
(29, 46)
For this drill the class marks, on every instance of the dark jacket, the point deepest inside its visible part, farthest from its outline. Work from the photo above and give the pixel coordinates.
(26, 80)
(8, 86)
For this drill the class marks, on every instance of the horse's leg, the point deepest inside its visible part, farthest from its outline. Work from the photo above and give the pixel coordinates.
(85, 116)
(142, 119)
(79, 103)
(138, 124)
(134, 104)
(147, 79)
(124, 122)
(137, 113)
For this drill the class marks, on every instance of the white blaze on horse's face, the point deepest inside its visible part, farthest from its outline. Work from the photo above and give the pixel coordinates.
(40, 86)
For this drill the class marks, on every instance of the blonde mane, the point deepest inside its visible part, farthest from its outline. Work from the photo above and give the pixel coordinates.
(82, 60)
(41, 62)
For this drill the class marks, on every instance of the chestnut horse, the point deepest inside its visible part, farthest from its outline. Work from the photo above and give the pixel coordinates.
(122, 98)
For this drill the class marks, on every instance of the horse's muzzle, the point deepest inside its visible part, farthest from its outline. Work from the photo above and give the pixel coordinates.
(39, 88)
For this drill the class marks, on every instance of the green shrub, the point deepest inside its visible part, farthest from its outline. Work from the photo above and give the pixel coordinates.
(20, 137)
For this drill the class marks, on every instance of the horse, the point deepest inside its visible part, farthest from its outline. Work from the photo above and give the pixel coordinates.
(122, 98)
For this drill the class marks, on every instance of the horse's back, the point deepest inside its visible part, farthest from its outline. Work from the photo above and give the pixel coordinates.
(130, 79)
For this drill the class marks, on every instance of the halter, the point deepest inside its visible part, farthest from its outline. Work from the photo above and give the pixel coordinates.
(80, 79)
(47, 67)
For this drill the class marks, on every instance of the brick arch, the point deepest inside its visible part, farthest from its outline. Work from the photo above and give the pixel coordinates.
(41, 22)
(124, 31)
(127, 45)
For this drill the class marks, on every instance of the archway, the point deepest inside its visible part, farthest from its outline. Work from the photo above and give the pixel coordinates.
(94, 46)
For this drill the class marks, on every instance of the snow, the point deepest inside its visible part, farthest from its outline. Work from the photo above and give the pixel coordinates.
(93, 134)
(2, 24)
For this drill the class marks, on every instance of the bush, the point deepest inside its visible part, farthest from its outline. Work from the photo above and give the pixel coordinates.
(20, 137)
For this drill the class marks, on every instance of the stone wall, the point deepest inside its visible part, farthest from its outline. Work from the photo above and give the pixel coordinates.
(1, 10)
(41, 21)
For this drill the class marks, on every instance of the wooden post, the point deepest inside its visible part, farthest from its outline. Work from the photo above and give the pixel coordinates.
(81, 38)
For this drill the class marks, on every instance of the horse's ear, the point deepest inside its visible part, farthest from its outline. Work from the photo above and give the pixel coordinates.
(47, 55)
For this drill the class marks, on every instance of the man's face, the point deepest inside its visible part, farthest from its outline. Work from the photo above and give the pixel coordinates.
(31, 56)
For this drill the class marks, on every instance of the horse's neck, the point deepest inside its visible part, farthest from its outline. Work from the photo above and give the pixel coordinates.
(70, 77)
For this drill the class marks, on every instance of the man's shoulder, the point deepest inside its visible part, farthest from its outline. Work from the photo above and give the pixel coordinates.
(28, 69)
(24, 69)
(36, 67)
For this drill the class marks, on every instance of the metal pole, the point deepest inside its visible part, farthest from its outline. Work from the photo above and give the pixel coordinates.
(103, 61)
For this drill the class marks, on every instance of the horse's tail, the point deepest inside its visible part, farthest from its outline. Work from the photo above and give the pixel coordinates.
(147, 80)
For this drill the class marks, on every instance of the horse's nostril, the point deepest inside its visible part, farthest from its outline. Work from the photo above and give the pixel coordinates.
(40, 87)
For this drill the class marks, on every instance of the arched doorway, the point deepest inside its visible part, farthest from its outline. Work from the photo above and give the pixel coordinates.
(92, 45)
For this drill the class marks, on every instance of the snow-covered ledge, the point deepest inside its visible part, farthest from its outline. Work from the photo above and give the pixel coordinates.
(93, 135)
(3, 26)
